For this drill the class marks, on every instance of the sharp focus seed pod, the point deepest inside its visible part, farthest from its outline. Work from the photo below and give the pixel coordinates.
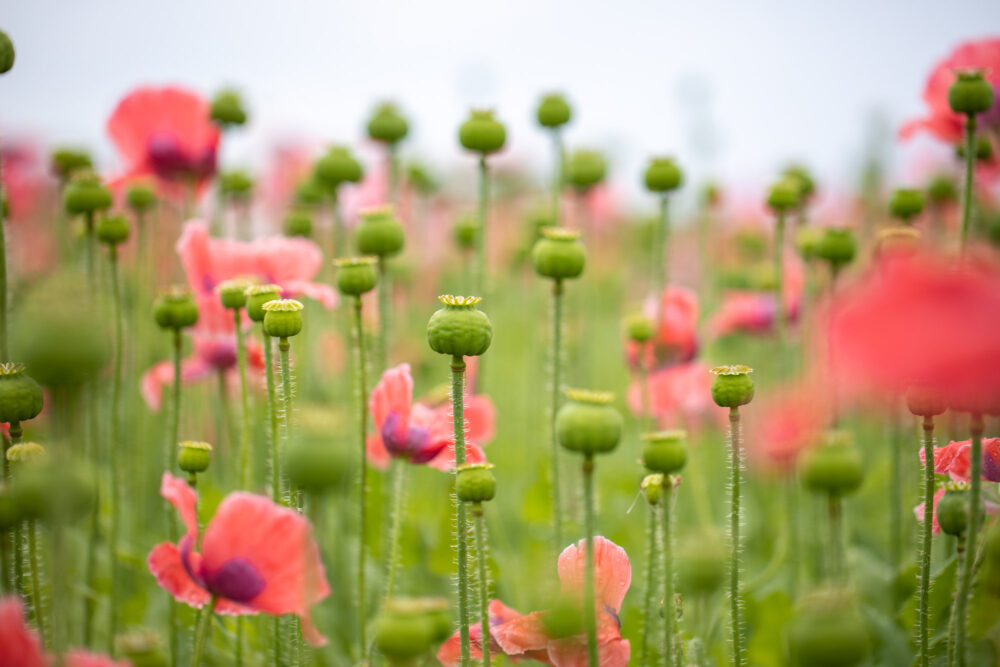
(282, 318)
(459, 329)
(356, 275)
(732, 386)
(20, 396)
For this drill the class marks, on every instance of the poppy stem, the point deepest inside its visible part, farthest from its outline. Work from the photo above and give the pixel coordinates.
(241, 357)
(338, 226)
(781, 317)
(736, 472)
(393, 158)
(557, 177)
(359, 354)
(171, 457)
(461, 523)
(384, 323)
(896, 492)
(115, 446)
(4, 355)
(557, 300)
(398, 492)
(272, 410)
(923, 614)
(589, 611)
(667, 564)
(286, 394)
(484, 584)
(975, 505)
(836, 522)
(662, 263)
(653, 547)
(89, 250)
(483, 220)
(204, 623)
(970, 158)
(36, 587)
(953, 620)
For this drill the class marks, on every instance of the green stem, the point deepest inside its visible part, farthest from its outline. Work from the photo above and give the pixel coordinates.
(4, 355)
(953, 621)
(286, 394)
(653, 547)
(970, 157)
(923, 614)
(736, 472)
(384, 322)
(835, 516)
(663, 244)
(972, 534)
(398, 490)
(461, 524)
(781, 317)
(359, 351)
(646, 421)
(557, 177)
(171, 458)
(393, 174)
(204, 623)
(669, 604)
(115, 452)
(589, 606)
(36, 587)
(89, 250)
(339, 237)
(241, 356)
(896, 494)
(484, 584)
(272, 411)
(557, 294)
(481, 269)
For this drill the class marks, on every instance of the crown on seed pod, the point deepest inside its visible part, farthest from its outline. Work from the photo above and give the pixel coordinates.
(732, 386)
(971, 93)
(257, 296)
(21, 397)
(459, 329)
(558, 254)
(282, 318)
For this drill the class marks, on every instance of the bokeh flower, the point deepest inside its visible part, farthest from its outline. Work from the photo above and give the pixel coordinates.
(675, 314)
(20, 645)
(953, 460)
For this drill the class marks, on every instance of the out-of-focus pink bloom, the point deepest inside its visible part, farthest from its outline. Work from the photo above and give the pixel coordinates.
(23, 172)
(602, 204)
(450, 653)
(750, 311)
(255, 556)
(675, 313)
(940, 120)
(676, 394)
(784, 424)
(919, 319)
(525, 636)
(421, 434)
(954, 460)
(167, 133)
(20, 646)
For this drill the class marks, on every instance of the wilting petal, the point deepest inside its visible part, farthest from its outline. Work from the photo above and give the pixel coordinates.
(20, 646)
(612, 571)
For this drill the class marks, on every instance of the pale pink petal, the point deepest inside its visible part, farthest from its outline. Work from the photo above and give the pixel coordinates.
(378, 455)
(165, 564)
(612, 571)
(184, 499)
(393, 393)
(325, 294)
(20, 646)
(522, 634)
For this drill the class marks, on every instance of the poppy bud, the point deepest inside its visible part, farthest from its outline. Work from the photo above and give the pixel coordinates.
(834, 467)
(298, 222)
(665, 451)
(232, 293)
(113, 230)
(316, 467)
(564, 619)
(356, 275)
(6, 53)
(982, 149)
(970, 94)
(585, 169)
(953, 509)
(803, 180)
(558, 254)
(640, 328)
(142, 647)
(380, 233)
(236, 185)
(652, 488)
(836, 246)
(20, 396)
(194, 456)
(86, 195)
(228, 109)
(403, 631)
(282, 318)
(482, 133)
(942, 189)
(257, 296)
(732, 386)
(466, 231)
(387, 125)
(783, 195)
(140, 198)
(588, 423)
(906, 204)
(65, 162)
(335, 167)
(827, 629)
(663, 175)
(175, 309)
(459, 329)
(925, 402)
(553, 111)
(475, 483)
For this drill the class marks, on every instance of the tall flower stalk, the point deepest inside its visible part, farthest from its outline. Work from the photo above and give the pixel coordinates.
(975, 513)
(482, 134)
(233, 296)
(283, 320)
(662, 177)
(474, 485)
(381, 235)
(651, 488)
(553, 113)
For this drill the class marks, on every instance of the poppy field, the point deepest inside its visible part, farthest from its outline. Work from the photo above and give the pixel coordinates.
(354, 405)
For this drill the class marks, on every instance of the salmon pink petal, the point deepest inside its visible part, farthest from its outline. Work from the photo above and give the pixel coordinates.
(19, 644)
(286, 260)
(445, 461)
(919, 511)
(450, 653)
(378, 455)
(184, 499)
(573, 653)
(612, 571)
(167, 567)
(152, 382)
(480, 419)
(522, 634)
(78, 657)
(324, 294)
(501, 613)
(393, 393)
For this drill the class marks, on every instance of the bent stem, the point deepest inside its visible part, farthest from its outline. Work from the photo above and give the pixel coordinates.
(359, 354)
(667, 565)
(975, 504)
(589, 611)
(736, 472)
(398, 491)
(923, 615)
(461, 523)
(484, 584)
(557, 292)
(115, 447)
(970, 157)
(241, 357)
(204, 623)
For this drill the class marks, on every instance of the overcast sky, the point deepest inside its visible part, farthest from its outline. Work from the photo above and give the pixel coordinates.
(733, 88)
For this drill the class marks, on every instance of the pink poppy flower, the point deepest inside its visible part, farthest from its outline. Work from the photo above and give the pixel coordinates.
(255, 556)
(677, 394)
(754, 312)
(784, 424)
(422, 434)
(940, 120)
(675, 313)
(450, 653)
(919, 512)
(20, 645)
(954, 460)
(167, 133)
(23, 173)
(526, 637)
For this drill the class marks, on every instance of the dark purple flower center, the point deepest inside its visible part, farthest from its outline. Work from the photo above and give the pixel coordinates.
(406, 441)
(991, 467)
(237, 580)
(170, 161)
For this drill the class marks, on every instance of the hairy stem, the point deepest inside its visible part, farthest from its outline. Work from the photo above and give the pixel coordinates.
(972, 534)
(736, 472)
(115, 453)
(359, 352)
(204, 623)
(970, 159)
(481, 270)
(666, 556)
(589, 610)
(384, 316)
(653, 548)
(272, 411)
(398, 490)
(286, 394)
(953, 620)
(241, 357)
(36, 586)
(484, 584)
(461, 523)
(926, 532)
(557, 300)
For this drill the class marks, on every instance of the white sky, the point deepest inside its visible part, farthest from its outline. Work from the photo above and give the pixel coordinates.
(778, 80)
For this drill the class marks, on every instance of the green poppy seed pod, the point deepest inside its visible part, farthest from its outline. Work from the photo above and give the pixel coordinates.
(702, 561)
(356, 275)
(31, 484)
(982, 149)
(588, 423)
(422, 179)
(142, 648)
(640, 328)
(558, 254)
(436, 610)
(475, 482)
(282, 318)
(228, 109)
(194, 456)
(309, 193)
(10, 513)
(804, 183)
(140, 198)
(553, 111)
(21, 397)
(663, 175)
(651, 487)
(925, 402)
(316, 467)
(175, 308)
(233, 293)
(387, 124)
(257, 296)
(299, 222)
(65, 162)
(807, 241)
(783, 195)
(906, 204)
(380, 233)
(26, 453)
(665, 451)
(836, 246)
(113, 230)
(482, 132)
(86, 195)
(564, 619)
(6, 53)
(970, 94)
(403, 631)
(466, 231)
(585, 169)
(236, 184)
(942, 189)
(335, 167)
(835, 467)
(459, 329)
(953, 509)
(732, 386)
(827, 630)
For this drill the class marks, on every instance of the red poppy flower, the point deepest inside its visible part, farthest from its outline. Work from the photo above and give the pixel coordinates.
(255, 556)
(783, 424)
(954, 460)
(755, 311)
(20, 646)
(675, 314)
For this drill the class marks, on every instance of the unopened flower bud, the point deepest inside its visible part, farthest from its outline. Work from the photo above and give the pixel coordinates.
(459, 329)
(282, 318)
(387, 125)
(482, 132)
(356, 275)
(588, 423)
(380, 233)
(732, 386)
(194, 456)
(475, 482)
(906, 204)
(257, 296)
(233, 292)
(652, 488)
(175, 309)
(663, 175)
(558, 254)
(970, 94)
(113, 230)
(665, 451)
